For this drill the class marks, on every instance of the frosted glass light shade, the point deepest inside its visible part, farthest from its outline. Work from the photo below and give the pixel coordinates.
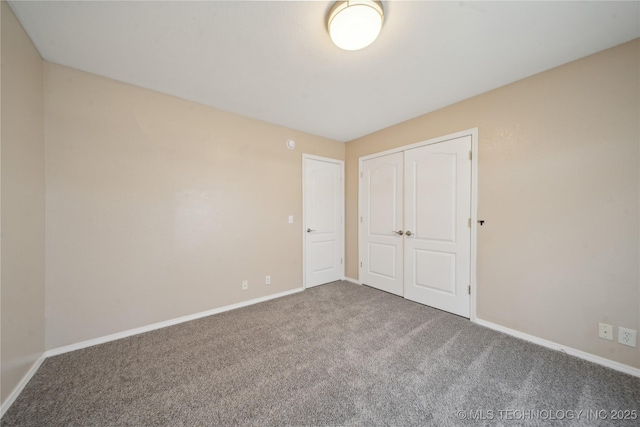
(355, 25)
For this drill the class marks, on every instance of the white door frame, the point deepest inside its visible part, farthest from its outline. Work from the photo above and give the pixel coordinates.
(474, 202)
(304, 216)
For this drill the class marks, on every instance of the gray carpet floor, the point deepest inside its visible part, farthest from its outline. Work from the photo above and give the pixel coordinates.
(337, 354)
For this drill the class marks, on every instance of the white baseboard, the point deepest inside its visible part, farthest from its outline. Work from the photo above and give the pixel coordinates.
(21, 385)
(89, 343)
(555, 346)
(349, 279)
(159, 325)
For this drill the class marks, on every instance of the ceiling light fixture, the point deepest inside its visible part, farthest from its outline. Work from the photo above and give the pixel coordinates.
(355, 25)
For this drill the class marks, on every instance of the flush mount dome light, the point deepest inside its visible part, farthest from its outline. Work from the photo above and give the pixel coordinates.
(354, 25)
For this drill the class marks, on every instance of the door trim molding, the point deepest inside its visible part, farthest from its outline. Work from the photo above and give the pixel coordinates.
(473, 133)
(304, 216)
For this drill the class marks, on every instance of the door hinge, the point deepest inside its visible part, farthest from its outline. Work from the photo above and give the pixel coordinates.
(340, 261)
(469, 289)
(469, 222)
(360, 263)
(360, 174)
(470, 155)
(360, 219)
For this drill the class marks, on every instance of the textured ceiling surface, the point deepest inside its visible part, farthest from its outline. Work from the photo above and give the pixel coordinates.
(274, 61)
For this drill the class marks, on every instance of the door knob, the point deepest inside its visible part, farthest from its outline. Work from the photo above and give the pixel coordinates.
(408, 233)
(309, 230)
(399, 233)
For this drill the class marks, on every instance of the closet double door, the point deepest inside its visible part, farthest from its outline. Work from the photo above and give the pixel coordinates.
(416, 219)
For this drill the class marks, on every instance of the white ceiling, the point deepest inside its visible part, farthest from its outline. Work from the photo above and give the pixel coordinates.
(274, 61)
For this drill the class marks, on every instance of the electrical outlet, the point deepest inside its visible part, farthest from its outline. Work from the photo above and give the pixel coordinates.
(245, 285)
(605, 331)
(626, 336)
(267, 280)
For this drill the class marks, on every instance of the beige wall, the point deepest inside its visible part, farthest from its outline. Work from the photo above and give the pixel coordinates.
(559, 189)
(23, 198)
(159, 207)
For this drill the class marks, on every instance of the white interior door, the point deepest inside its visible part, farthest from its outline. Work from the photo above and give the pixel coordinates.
(323, 224)
(381, 229)
(437, 219)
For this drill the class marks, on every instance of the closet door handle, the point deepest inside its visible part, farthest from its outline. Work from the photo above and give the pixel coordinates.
(309, 230)
(399, 233)
(408, 233)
